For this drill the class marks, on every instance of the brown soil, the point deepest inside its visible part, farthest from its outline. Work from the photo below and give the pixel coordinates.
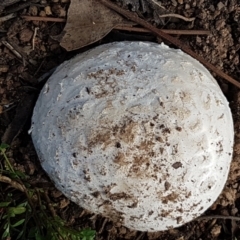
(21, 69)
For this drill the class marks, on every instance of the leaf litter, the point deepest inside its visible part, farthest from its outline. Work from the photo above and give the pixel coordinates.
(88, 22)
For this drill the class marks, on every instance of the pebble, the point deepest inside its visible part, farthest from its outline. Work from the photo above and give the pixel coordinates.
(220, 24)
(64, 203)
(211, 8)
(220, 6)
(33, 10)
(3, 68)
(56, 193)
(194, 4)
(42, 14)
(122, 230)
(216, 230)
(58, 10)
(234, 211)
(48, 10)
(236, 60)
(30, 168)
(174, 3)
(26, 35)
(187, 6)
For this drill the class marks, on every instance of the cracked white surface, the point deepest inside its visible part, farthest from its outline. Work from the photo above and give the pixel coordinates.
(135, 131)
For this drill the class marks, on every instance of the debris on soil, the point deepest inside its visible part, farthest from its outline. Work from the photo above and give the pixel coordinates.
(88, 22)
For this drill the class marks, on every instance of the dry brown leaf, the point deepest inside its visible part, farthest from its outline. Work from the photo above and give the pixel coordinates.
(88, 21)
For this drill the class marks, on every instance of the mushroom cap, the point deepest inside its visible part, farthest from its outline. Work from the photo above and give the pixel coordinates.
(135, 131)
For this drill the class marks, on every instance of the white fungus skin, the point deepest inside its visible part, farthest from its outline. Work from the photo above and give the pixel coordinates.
(137, 132)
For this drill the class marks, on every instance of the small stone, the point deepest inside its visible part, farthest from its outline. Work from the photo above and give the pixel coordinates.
(26, 35)
(55, 193)
(216, 230)
(48, 10)
(231, 8)
(235, 185)
(43, 48)
(194, 4)
(224, 32)
(180, 1)
(220, 24)
(220, 6)
(174, 3)
(33, 62)
(4, 68)
(215, 14)
(30, 168)
(236, 60)
(33, 10)
(36, 23)
(234, 211)
(27, 49)
(202, 14)
(198, 40)
(211, 8)
(230, 195)
(42, 14)
(58, 10)
(54, 46)
(187, 6)
(122, 230)
(64, 203)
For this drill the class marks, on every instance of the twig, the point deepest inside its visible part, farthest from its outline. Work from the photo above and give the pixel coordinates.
(19, 186)
(51, 209)
(9, 108)
(141, 236)
(103, 225)
(34, 37)
(177, 16)
(123, 27)
(7, 17)
(218, 217)
(43, 19)
(11, 48)
(169, 38)
(39, 67)
(47, 74)
(158, 4)
(168, 31)
(24, 110)
(14, 184)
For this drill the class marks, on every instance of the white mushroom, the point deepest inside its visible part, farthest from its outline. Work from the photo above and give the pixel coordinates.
(137, 132)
